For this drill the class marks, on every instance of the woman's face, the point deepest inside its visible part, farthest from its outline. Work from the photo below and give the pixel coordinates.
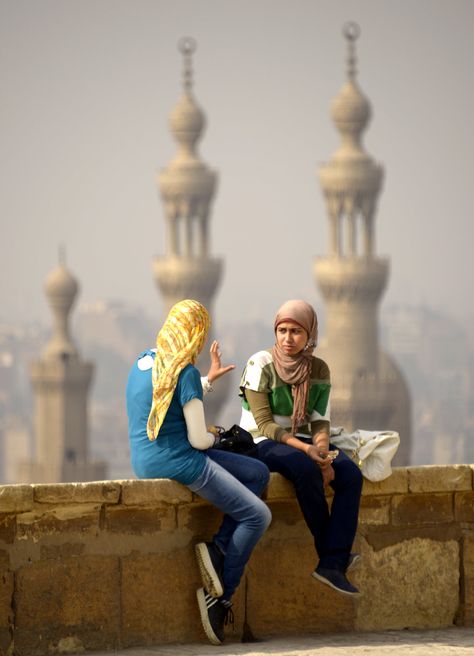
(291, 337)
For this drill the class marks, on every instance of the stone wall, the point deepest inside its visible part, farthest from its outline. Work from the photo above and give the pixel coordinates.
(109, 565)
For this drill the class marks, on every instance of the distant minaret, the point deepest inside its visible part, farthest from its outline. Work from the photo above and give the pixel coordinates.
(187, 189)
(61, 382)
(368, 389)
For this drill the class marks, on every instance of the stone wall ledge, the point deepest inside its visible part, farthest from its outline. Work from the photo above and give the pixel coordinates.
(111, 564)
(404, 480)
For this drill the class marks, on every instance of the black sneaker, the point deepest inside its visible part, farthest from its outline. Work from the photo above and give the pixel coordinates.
(210, 560)
(353, 562)
(215, 614)
(336, 580)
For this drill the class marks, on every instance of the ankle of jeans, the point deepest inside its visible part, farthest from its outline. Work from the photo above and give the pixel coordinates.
(219, 546)
(333, 561)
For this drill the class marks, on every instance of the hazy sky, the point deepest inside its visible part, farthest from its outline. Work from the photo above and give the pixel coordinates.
(86, 90)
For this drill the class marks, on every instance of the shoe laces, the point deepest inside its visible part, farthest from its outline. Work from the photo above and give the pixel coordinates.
(229, 617)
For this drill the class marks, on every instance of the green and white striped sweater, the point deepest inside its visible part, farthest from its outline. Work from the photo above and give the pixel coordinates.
(260, 376)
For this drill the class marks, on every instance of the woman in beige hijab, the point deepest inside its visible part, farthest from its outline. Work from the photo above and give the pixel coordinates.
(285, 393)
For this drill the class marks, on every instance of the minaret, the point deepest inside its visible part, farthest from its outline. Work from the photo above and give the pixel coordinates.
(61, 382)
(187, 189)
(368, 389)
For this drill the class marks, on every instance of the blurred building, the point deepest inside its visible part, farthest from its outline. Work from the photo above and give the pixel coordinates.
(435, 353)
(369, 390)
(61, 381)
(112, 333)
(18, 345)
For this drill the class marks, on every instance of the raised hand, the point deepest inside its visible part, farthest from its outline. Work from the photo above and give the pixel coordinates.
(216, 370)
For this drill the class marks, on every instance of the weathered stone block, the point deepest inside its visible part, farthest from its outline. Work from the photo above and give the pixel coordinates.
(6, 598)
(62, 550)
(436, 478)
(7, 528)
(468, 581)
(374, 510)
(15, 498)
(81, 518)
(139, 520)
(159, 599)
(396, 483)
(413, 584)
(380, 537)
(422, 509)
(282, 596)
(154, 491)
(197, 522)
(77, 598)
(96, 492)
(464, 506)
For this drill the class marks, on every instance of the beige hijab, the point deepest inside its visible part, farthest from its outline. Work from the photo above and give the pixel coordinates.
(295, 370)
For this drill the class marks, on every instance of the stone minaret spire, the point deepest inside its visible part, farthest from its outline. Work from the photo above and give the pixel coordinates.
(352, 278)
(61, 290)
(61, 382)
(187, 188)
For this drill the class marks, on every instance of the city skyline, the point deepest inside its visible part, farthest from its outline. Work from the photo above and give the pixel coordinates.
(89, 88)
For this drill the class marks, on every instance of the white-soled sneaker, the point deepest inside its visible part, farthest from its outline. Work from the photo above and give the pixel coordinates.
(336, 580)
(354, 561)
(215, 614)
(210, 561)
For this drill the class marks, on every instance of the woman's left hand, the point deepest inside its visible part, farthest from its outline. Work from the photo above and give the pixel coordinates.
(216, 370)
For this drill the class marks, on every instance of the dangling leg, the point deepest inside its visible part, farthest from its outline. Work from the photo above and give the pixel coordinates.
(251, 517)
(333, 534)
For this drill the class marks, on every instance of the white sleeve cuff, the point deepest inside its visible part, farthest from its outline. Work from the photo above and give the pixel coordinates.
(206, 385)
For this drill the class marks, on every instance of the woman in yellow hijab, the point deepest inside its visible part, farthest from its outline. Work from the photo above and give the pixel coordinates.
(169, 439)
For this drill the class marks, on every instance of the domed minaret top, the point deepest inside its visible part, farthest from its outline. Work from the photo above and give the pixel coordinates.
(187, 120)
(351, 181)
(187, 185)
(61, 290)
(351, 109)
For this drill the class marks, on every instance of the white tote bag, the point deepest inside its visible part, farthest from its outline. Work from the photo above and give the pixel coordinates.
(371, 450)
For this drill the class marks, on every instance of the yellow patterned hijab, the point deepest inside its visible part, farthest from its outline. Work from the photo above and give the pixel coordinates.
(178, 344)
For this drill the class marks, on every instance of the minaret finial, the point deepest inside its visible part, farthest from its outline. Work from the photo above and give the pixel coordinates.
(62, 255)
(187, 46)
(351, 31)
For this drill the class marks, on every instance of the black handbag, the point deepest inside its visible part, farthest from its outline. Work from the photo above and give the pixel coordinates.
(236, 440)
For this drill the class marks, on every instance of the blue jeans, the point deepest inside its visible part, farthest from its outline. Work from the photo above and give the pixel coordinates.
(234, 483)
(334, 531)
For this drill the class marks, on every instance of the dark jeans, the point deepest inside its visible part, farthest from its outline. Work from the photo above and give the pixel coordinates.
(334, 531)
